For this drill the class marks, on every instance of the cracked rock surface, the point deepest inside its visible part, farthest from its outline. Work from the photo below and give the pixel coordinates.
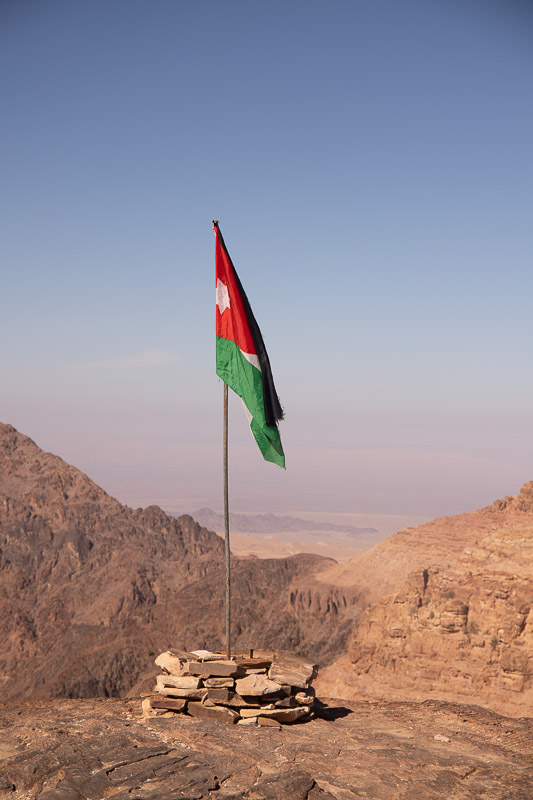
(95, 749)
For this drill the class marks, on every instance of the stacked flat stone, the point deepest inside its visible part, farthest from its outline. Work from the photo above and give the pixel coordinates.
(260, 687)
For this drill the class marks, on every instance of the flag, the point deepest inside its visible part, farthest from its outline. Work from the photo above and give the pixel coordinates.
(242, 360)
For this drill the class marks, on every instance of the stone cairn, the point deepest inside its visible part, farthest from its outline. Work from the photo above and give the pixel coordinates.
(260, 687)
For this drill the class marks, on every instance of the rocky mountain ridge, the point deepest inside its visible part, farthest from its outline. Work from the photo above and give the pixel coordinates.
(91, 590)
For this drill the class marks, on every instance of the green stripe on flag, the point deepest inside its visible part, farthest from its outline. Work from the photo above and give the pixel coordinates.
(246, 381)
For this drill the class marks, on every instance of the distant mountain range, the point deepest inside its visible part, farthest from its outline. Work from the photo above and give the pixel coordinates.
(271, 524)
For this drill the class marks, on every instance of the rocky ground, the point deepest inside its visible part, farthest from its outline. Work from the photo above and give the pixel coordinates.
(93, 749)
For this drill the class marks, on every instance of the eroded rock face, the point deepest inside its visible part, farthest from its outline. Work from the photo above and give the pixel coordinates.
(464, 632)
(90, 749)
(91, 590)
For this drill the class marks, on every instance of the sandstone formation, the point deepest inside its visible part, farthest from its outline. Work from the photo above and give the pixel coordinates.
(439, 543)
(460, 626)
(91, 590)
(95, 749)
(263, 687)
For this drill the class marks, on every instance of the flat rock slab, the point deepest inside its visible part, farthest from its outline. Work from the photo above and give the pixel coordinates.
(279, 714)
(297, 678)
(169, 703)
(219, 683)
(289, 660)
(149, 711)
(254, 663)
(226, 697)
(256, 685)
(184, 655)
(214, 669)
(206, 655)
(309, 668)
(186, 694)
(287, 702)
(267, 722)
(178, 682)
(213, 712)
(93, 749)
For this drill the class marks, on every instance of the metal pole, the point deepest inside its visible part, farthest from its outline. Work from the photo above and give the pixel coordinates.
(226, 525)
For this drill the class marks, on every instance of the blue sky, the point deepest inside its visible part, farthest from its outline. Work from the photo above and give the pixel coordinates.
(371, 167)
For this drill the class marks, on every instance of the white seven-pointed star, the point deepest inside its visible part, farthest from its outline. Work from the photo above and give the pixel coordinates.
(222, 296)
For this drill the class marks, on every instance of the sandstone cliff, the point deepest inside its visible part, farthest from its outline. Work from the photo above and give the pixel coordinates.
(91, 591)
(460, 625)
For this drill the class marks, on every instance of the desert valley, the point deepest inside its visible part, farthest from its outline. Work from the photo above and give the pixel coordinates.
(424, 642)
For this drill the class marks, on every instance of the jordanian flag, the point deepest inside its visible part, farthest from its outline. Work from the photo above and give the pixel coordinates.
(242, 360)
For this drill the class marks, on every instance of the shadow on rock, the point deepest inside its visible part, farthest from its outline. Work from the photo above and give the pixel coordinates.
(324, 711)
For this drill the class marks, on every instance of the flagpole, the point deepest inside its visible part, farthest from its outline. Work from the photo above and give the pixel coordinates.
(226, 524)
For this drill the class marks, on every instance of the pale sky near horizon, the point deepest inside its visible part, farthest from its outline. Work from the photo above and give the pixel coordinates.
(371, 165)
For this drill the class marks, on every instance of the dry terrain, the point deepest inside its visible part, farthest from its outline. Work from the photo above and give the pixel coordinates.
(94, 749)
(452, 616)
(91, 590)
(278, 536)
(338, 546)
(425, 624)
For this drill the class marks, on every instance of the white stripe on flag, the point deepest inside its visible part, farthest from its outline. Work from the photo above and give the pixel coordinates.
(252, 358)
